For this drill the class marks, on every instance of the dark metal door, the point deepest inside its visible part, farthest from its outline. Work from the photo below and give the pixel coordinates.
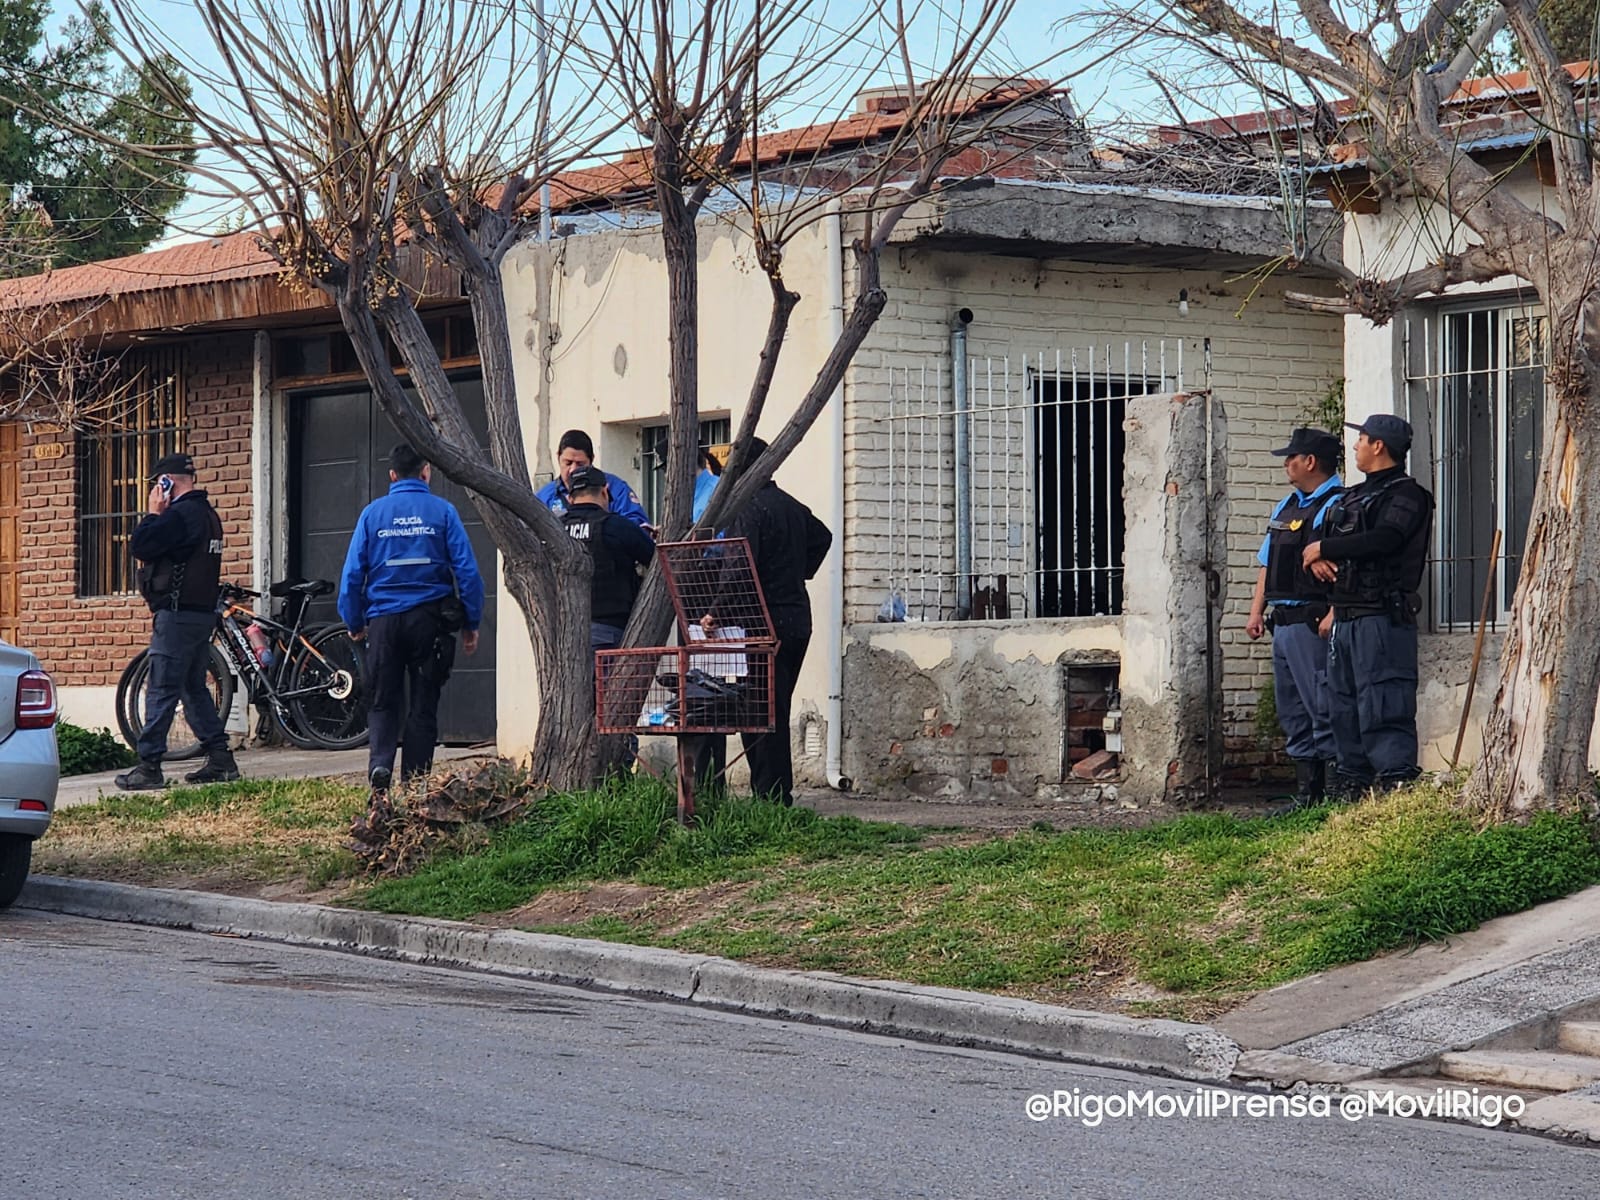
(340, 443)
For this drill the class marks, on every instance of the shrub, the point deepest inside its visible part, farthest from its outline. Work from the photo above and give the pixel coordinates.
(84, 752)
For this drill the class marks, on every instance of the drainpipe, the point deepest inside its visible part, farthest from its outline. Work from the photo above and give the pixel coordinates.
(834, 710)
(963, 455)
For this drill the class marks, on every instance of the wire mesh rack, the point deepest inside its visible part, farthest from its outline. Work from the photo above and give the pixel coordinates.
(717, 679)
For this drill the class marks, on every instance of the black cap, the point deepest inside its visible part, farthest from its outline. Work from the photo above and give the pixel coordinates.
(586, 479)
(1394, 432)
(1311, 441)
(173, 464)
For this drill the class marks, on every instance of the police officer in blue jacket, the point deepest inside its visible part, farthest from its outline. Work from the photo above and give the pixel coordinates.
(1300, 609)
(1373, 551)
(577, 450)
(618, 548)
(409, 565)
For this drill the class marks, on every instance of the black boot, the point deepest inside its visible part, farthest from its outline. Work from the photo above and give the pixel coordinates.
(1310, 787)
(146, 777)
(219, 767)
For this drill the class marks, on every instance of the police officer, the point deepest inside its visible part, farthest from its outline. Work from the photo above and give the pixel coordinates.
(575, 450)
(1299, 608)
(408, 567)
(618, 547)
(1372, 552)
(179, 548)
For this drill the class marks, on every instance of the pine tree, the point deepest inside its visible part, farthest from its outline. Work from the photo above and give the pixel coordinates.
(69, 198)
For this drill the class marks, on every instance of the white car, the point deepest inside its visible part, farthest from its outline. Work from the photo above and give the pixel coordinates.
(29, 766)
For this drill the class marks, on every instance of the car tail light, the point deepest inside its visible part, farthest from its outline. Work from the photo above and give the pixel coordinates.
(36, 701)
(32, 806)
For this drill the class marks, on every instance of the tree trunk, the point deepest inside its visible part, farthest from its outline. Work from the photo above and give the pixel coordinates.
(1536, 741)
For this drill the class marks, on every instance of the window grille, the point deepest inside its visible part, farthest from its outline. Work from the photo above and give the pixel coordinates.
(717, 431)
(1480, 374)
(147, 419)
(1044, 471)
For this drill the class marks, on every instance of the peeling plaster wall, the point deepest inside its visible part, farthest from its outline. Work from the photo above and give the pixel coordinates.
(1271, 362)
(970, 711)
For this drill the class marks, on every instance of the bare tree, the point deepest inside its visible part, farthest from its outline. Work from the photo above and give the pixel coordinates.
(1400, 63)
(389, 152)
(376, 142)
(703, 84)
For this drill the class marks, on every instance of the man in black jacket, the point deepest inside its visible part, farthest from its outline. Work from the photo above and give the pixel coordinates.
(179, 548)
(787, 545)
(1373, 550)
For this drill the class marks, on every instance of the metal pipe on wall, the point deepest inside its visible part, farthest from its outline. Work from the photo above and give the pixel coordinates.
(962, 412)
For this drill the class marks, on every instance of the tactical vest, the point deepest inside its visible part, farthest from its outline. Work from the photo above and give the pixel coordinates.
(1377, 583)
(1288, 533)
(190, 584)
(615, 583)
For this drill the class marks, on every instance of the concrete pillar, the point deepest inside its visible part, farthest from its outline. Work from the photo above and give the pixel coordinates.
(1171, 673)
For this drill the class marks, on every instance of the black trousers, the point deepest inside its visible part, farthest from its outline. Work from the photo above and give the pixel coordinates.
(401, 662)
(771, 761)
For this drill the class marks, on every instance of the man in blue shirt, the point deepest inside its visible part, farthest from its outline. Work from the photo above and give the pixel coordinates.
(409, 582)
(577, 450)
(1301, 613)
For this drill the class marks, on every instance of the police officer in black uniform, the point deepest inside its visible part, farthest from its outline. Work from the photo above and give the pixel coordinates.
(1300, 608)
(179, 549)
(1373, 550)
(618, 547)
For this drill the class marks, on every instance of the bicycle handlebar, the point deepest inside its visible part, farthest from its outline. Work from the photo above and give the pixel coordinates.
(232, 591)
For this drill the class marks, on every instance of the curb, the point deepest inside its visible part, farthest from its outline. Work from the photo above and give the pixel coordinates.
(875, 1006)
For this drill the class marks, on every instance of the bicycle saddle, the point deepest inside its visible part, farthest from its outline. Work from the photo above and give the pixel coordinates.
(301, 587)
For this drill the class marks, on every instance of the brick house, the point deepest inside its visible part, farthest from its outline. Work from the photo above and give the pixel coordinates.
(209, 351)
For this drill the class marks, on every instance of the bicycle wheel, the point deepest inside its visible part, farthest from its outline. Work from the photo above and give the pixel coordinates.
(182, 742)
(335, 717)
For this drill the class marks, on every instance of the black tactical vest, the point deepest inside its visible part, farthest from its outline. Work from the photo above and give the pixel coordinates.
(1376, 583)
(615, 582)
(189, 584)
(1288, 533)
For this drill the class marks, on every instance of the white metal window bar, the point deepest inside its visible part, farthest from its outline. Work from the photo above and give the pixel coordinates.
(1481, 374)
(1045, 470)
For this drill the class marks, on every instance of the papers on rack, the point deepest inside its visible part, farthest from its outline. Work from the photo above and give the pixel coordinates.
(731, 665)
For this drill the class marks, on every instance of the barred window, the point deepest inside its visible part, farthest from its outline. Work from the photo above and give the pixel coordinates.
(145, 419)
(714, 431)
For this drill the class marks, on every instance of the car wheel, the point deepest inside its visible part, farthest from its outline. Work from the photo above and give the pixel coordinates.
(16, 851)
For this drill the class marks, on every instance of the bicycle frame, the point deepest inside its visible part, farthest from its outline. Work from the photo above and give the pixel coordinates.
(231, 623)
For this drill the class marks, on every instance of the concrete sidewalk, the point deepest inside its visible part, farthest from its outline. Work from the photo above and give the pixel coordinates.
(268, 763)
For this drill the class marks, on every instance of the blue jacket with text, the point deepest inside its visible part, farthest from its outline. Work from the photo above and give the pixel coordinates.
(409, 549)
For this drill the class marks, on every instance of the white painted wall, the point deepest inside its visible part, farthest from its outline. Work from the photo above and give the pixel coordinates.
(607, 374)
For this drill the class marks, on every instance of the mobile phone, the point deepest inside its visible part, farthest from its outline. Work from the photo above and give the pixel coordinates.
(165, 484)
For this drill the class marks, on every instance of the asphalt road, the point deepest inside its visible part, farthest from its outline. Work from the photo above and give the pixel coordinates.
(152, 1064)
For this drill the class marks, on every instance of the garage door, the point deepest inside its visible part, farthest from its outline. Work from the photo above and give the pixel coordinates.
(340, 443)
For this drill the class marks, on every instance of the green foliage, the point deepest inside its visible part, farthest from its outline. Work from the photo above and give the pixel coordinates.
(72, 121)
(85, 753)
(1327, 410)
(1267, 712)
(628, 829)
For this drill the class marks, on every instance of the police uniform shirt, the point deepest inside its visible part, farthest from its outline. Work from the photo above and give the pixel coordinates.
(1325, 491)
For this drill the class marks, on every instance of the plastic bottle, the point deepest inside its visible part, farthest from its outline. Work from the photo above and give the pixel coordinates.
(656, 716)
(260, 644)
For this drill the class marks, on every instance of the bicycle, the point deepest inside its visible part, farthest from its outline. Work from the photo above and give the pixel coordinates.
(313, 686)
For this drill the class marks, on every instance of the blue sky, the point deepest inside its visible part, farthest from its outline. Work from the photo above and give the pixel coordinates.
(1105, 93)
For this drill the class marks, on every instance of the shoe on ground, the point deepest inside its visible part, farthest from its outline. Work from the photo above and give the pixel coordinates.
(219, 767)
(378, 779)
(146, 777)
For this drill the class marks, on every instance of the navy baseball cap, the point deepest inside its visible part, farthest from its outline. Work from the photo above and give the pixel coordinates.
(1394, 432)
(1311, 441)
(585, 479)
(173, 464)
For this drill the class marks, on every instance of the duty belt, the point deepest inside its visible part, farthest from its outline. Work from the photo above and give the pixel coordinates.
(1284, 615)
